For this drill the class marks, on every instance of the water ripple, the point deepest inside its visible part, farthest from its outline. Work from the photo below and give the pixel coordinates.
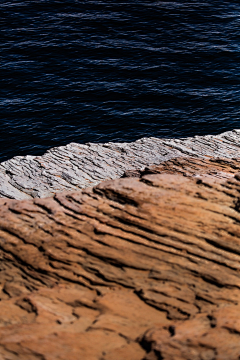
(116, 71)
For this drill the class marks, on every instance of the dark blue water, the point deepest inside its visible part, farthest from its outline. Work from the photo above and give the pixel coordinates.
(116, 71)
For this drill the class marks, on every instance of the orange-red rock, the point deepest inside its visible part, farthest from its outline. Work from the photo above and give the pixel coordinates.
(213, 335)
(144, 268)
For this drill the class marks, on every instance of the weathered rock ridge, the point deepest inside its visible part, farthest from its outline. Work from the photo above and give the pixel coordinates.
(77, 166)
(134, 268)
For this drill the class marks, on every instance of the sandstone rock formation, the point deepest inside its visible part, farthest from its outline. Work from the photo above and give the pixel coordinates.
(213, 335)
(77, 166)
(135, 268)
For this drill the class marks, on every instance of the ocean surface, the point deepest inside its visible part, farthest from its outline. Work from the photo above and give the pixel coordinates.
(98, 71)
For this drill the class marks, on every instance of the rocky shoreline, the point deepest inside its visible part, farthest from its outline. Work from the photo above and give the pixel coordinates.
(143, 267)
(76, 166)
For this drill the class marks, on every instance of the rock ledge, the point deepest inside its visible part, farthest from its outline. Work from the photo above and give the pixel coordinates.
(77, 166)
(132, 269)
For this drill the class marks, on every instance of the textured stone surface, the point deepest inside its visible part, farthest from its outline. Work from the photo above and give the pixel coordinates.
(77, 166)
(133, 268)
(210, 336)
(214, 169)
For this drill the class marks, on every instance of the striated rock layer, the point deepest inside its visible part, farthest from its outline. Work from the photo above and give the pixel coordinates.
(135, 268)
(77, 166)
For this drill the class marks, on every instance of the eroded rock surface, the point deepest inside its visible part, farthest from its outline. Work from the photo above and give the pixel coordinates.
(135, 268)
(214, 169)
(213, 335)
(77, 166)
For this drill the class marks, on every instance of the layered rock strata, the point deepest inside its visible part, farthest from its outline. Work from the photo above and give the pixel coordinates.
(77, 166)
(135, 268)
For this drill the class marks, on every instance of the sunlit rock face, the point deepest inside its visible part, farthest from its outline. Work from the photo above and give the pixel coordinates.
(78, 166)
(138, 268)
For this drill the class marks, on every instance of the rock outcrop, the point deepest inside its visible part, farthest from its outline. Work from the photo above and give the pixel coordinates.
(134, 268)
(77, 166)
